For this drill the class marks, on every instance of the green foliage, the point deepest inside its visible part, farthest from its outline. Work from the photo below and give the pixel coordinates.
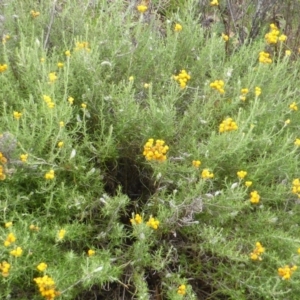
(86, 184)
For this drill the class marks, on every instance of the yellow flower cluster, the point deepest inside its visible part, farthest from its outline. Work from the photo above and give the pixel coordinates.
(50, 175)
(254, 197)
(153, 223)
(33, 227)
(142, 8)
(3, 159)
(157, 151)
(4, 268)
(196, 163)
(257, 252)
(225, 37)
(52, 77)
(2, 174)
(227, 125)
(46, 287)
(17, 115)
(61, 234)
(218, 85)
(42, 267)
(241, 174)
(293, 106)
(8, 224)
(82, 46)
(17, 252)
(248, 183)
(264, 58)
(5, 38)
(296, 187)
(60, 65)
(286, 272)
(181, 290)
(244, 92)
(9, 239)
(177, 27)
(214, 3)
(206, 174)
(136, 220)
(49, 101)
(257, 91)
(24, 157)
(182, 78)
(91, 252)
(272, 37)
(3, 68)
(297, 142)
(34, 13)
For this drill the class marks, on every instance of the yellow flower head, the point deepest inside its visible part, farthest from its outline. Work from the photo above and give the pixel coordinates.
(17, 252)
(196, 163)
(293, 106)
(241, 174)
(228, 125)
(254, 197)
(91, 252)
(206, 174)
(61, 234)
(3, 68)
(142, 8)
(248, 183)
(155, 152)
(177, 27)
(24, 157)
(8, 224)
(60, 65)
(153, 223)
(225, 37)
(257, 252)
(71, 100)
(50, 175)
(181, 290)
(136, 220)
(83, 105)
(17, 115)
(60, 144)
(4, 268)
(286, 272)
(42, 267)
(68, 53)
(214, 3)
(52, 77)
(34, 14)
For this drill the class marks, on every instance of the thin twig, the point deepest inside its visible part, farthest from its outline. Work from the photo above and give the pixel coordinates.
(50, 24)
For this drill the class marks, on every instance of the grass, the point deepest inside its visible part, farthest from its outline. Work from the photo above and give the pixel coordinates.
(74, 160)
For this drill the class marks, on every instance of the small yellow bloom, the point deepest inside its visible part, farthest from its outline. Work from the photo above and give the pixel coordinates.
(257, 252)
(181, 290)
(68, 53)
(8, 224)
(5, 38)
(293, 106)
(142, 8)
(17, 252)
(61, 234)
(34, 14)
(248, 183)
(91, 252)
(61, 124)
(71, 100)
(34, 228)
(225, 37)
(297, 142)
(4, 268)
(214, 3)
(24, 157)
(9, 239)
(60, 144)
(177, 27)
(83, 105)
(60, 65)
(206, 174)
(146, 85)
(136, 220)
(286, 272)
(17, 115)
(155, 152)
(153, 223)
(228, 125)
(50, 175)
(254, 197)
(241, 174)
(42, 267)
(131, 78)
(282, 38)
(298, 250)
(287, 122)
(196, 163)
(3, 68)
(257, 91)
(42, 59)
(52, 77)
(288, 52)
